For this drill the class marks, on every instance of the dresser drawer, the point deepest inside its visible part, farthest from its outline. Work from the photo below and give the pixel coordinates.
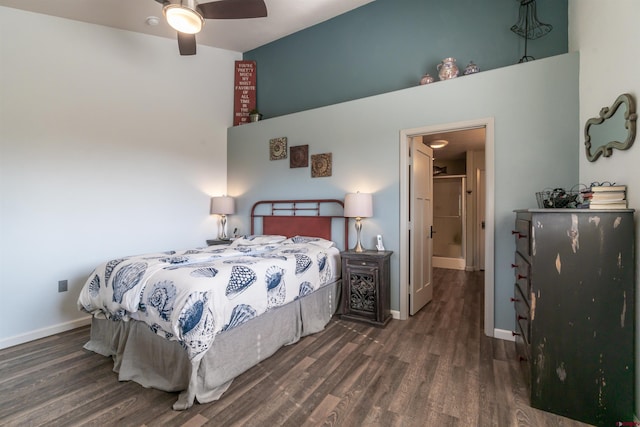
(521, 305)
(524, 355)
(522, 272)
(359, 262)
(523, 238)
(522, 333)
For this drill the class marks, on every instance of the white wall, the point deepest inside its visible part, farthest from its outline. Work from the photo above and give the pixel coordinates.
(607, 34)
(535, 120)
(110, 144)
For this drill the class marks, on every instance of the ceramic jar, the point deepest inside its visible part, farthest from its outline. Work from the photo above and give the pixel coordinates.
(471, 68)
(426, 79)
(447, 69)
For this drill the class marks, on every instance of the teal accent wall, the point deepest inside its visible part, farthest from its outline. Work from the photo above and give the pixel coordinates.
(535, 112)
(388, 45)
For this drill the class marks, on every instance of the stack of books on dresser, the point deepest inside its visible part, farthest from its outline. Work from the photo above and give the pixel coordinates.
(608, 197)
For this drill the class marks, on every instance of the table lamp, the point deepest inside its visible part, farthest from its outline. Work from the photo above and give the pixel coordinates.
(223, 206)
(358, 205)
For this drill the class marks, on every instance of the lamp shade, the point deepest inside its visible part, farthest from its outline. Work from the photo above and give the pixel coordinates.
(223, 205)
(358, 205)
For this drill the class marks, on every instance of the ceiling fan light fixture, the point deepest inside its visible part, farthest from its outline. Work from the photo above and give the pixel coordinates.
(438, 143)
(183, 18)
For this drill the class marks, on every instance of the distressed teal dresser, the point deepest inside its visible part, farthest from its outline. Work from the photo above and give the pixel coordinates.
(574, 299)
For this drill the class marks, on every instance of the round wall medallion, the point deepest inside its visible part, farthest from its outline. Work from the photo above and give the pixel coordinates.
(321, 165)
(278, 148)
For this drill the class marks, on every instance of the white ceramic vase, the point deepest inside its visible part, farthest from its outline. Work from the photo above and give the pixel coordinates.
(447, 69)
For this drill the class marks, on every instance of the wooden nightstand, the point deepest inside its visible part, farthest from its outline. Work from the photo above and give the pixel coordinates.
(214, 242)
(365, 286)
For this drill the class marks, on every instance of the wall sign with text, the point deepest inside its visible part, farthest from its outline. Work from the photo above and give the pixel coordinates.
(244, 93)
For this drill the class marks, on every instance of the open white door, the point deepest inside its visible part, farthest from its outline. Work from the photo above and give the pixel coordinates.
(421, 214)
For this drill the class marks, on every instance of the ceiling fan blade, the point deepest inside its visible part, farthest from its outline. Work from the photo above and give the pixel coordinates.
(187, 43)
(233, 9)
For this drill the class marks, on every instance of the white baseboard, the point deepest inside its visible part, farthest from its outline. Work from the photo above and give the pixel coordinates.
(44, 332)
(502, 334)
(450, 263)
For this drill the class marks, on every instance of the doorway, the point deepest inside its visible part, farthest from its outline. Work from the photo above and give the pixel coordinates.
(449, 221)
(405, 255)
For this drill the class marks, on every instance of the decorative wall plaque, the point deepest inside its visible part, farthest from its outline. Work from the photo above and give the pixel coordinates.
(321, 165)
(299, 156)
(278, 148)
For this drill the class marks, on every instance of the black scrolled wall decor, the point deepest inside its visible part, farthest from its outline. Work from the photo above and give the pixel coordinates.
(603, 131)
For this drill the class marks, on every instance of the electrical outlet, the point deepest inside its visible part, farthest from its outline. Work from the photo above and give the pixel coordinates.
(62, 286)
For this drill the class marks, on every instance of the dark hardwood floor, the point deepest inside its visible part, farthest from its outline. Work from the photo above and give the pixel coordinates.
(436, 369)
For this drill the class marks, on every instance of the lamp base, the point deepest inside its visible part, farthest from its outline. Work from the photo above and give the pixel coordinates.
(223, 227)
(358, 247)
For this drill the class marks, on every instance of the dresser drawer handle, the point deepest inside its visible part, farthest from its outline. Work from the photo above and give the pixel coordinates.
(520, 276)
(522, 359)
(520, 235)
(514, 265)
(521, 317)
(514, 299)
(368, 264)
(515, 334)
(362, 263)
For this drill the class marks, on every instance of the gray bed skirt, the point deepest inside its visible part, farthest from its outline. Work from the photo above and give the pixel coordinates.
(142, 356)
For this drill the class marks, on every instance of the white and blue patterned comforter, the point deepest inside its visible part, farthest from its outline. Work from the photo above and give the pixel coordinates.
(190, 296)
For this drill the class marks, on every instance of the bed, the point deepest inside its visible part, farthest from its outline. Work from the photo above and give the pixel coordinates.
(190, 321)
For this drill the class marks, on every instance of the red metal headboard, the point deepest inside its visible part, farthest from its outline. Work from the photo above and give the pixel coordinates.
(298, 217)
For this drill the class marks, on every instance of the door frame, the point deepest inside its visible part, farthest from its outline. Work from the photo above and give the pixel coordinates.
(481, 178)
(406, 135)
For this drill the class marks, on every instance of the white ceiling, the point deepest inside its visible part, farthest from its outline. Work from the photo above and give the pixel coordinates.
(460, 142)
(284, 17)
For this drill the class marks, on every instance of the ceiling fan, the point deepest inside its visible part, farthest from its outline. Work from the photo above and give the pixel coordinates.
(187, 16)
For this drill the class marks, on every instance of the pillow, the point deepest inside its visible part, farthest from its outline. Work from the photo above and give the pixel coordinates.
(257, 240)
(318, 241)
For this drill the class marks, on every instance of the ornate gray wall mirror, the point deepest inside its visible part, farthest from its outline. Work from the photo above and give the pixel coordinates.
(614, 128)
